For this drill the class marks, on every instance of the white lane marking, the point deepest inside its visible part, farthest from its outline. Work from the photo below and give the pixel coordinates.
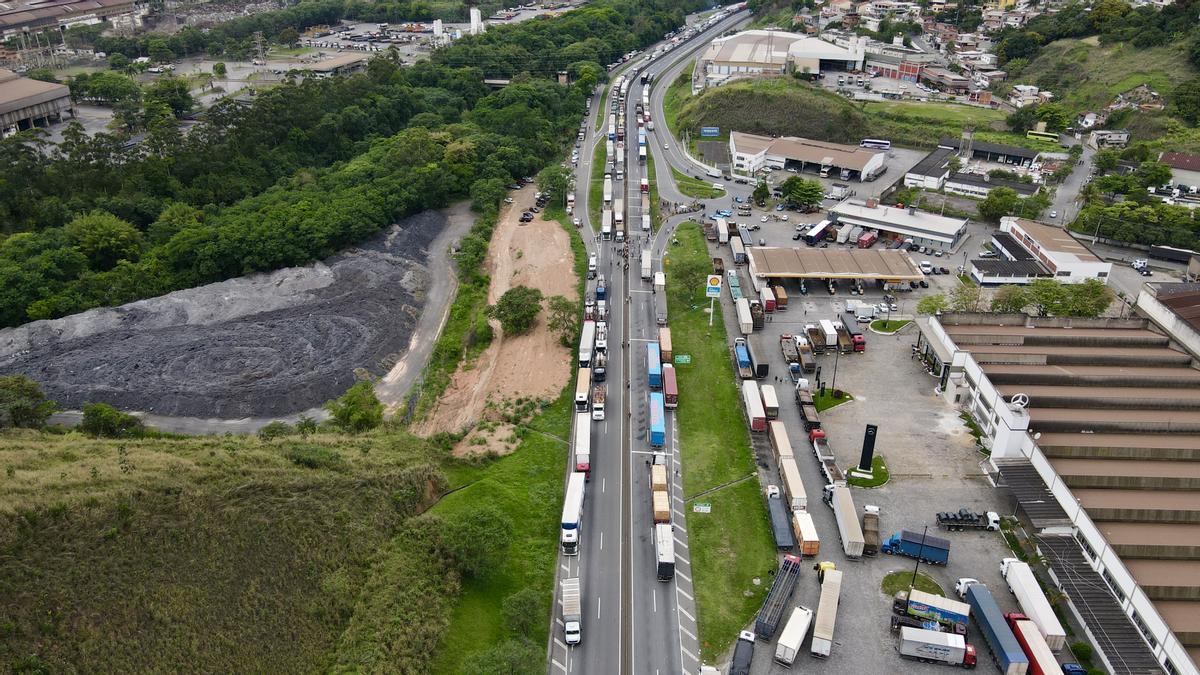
(683, 592)
(678, 541)
(681, 528)
(683, 559)
(602, 541)
(654, 600)
(686, 632)
(603, 483)
(689, 653)
(689, 616)
(678, 573)
(597, 607)
(555, 662)
(560, 643)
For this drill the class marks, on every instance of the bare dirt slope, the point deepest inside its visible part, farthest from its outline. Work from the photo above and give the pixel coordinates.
(531, 366)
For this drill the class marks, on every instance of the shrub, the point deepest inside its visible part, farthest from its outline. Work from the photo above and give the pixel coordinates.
(358, 409)
(276, 429)
(103, 420)
(314, 457)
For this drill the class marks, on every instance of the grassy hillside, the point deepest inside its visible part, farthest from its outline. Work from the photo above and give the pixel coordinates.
(1085, 75)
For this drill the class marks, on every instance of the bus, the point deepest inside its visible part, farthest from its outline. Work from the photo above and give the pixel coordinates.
(875, 144)
(817, 233)
(1046, 136)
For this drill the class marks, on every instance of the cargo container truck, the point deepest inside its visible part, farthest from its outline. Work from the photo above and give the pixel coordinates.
(816, 338)
(743, 654)
(741, 359)
(768, 298)
(722, 231)
(618, 214)
(745, 320)
(583, 445)
(770, 401)
(946, 612)
(781, 525)
(660, 309)
(845, 345)
(756, 417)
(653, 366)
(838, 497)
(793, 485)
(608, 191)
(583, 383)
(856, 335)
(572, 513)
(647, 265)
(936, 647)
(855, 233)
(810, 417)
(781, 298)
(1041, 659)
(664, 345)
(658, 477)
(598, 397)
(670, 387)
(870, 527)
(781, 445)
(868, 239)
(739, 251)
(1006, 651)
(587, 340)
(745, 236)
(923, 546)
(828, 332)
(658, 417)
(833, 472)
(572, 612)
(664, 552)
(831, 590)
(965, 519)
(778, 598)
(606, 221)
(794, 632)
(1033, 603)
(760, 367)
(806, 533)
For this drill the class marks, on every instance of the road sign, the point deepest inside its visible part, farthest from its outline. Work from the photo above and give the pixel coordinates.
(712, 286)
(710, 132)
(702, 507)
(683, 359)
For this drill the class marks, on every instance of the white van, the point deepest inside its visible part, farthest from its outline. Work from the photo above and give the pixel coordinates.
(926, 267)
(592, 265)
(713, 173)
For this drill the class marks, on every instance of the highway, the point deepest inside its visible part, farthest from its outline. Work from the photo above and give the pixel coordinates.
(632, 622)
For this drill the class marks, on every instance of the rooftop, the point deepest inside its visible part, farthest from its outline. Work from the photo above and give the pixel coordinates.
(983, 181)
(328, 65)
(1054, 239)
(1182, 299)
(1011, 268)
(993, 148)
(772, 47)
(933, 164)
(18, 92)
(823, 263)
(910, 219)
(1180, 160)
(804, 150)
(1011, 248)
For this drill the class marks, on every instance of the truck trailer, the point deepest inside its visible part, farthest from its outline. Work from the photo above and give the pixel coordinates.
(778, 598)
(925, 547)
(745, 320)
(756, 417)
(583, 445)
(781, 525)
(870, 526)
(806, 533)
(845, 343)
(670, 387)
(653, 366)
(770, 401)
(587, 341)
(1005, 649)
(658, 423)
(664, 552)
(1033, 603)
(793, 486)
(935, 647)
(1041, 658)
(741, 359)
(831, 589)
(838, 497)
(794, 632)
(950, 613)
(816, 338)
(647, 265)
(760, 366)
(572, 612)
(572, 513)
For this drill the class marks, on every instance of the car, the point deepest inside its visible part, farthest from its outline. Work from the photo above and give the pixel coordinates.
(534, 209)
(987, 254)
(514, 186)
(912, 284)
(578, 222)
(937, 253)
(796, 235)
(779, 207)
(762, 242)
(920, 249)
(526, 217)
(764, 219)
(945, 271)
(739, 200)
(508, 200)
(784, 217)
(727, 177)
(893, 307)
(527, 179)
(1053, 214)
(742, 181)
(724, 213)
(923, 283)
(1145, 271)
(1138, 264)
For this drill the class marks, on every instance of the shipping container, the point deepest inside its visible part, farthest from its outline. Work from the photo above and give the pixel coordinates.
(793, 485)
(583, 388)
(806, 533)
(781, 298)
(583, 444)
(924, 605)
(662, 507)
(752, 400)
(670, 387)
(770, 401)
(768, 298)
(653, 366)
(831, 589)
(658, 420)
(780, 443)
(722, 231)
(1041, 658)
(1033, 603)
(847, 519)
(1000, 639)
(664, 344)
(745, 320)
(794, 632)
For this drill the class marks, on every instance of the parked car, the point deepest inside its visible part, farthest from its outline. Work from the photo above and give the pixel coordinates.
(742, 181)
(796, 235)
(945, 271)
(924, 284)
(739, 200)
(508, 200)
(764, 219)
(784, 217)
(779, 207)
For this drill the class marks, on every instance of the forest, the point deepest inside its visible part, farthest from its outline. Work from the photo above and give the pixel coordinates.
(306, 169)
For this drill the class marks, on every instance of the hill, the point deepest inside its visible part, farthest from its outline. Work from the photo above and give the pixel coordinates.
(1086, 75)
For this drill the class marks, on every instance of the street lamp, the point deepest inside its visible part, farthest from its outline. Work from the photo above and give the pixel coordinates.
(920, 552)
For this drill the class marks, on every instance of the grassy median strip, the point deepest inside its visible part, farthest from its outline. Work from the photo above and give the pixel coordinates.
(694, 187)
(731, 545)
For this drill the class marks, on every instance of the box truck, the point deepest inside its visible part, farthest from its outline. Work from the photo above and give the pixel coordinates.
(792, 485)
(653, 366)
(664, 552)
(920, 545)
(572, 612)
(922, 605)
(647, 265)
(745, 319)
(770, 401)
(1041, 658)
(583, 383)
(755, 415)
(794, 632)
(583, 445)
(759, 365)
(829, 333)
(831, 589)
(768, 298)
(587, 340)
(934, 647)
(722, 231)
(670, 387)
(1033, 603)
(778, 598)
(1000, 639)
(870, 526)
(781, 445)
(572, 514)
(838, 497)
(658, 424)
(781, 525)
(664, 344)
(806, 533)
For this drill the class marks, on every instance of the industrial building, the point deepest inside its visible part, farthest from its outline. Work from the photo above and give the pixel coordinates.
(1093, 426)
(343, 64)
(888, 265)
(980, 186)
(1185, 167)
(755, 53)
(932, 171)
(923, 229)
(55, 14)
(945, 80)
(1027, 250)
(992, 152)
(751, 153)
(26, 103)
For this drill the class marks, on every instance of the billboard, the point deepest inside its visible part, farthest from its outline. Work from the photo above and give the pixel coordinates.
(710, 132)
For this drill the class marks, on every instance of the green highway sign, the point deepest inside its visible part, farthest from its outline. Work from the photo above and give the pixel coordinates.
(683, 359)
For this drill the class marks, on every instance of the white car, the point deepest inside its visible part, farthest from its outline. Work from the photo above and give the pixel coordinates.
(578, 222)
(508, 200)
(1053, 215)
(764, 219)
(666, 146)
(783, 217)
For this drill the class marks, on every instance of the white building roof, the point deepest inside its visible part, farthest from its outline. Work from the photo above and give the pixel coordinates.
(774, 47)
(1055, 242)
(891, 218)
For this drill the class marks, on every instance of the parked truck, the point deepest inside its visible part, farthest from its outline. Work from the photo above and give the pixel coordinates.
(936, 647)
(945, 612)
(778, 598)
(745, 320)
(718, 266)
(806, 533)
(722, 231)
(647, 265)
(870, 527)
(965, 519)
(572, 513)
(1041, 658)
(816, 338)
(809, 416)
(572, 612)
(1033, 603)
(664, 552)
(600, 366)
(856, 335)
(824, 454)
(781, 526)
(922, 546)
(741, 359)
(838, 497)
(868, 239)
(831, 590)
(794, 632)
(781, 298)
(787, 345)
(770, 401)
(756, 417)
(659, 495)
(793, 485)
(739, 251)
(583, 445)
(757, 314)
(768, 298)
(653, 366)
(808, 364)
(1006, 651)
(760, 366)
(845, 344)
(658, 425)
(743, 654)
(664, 344)
(598, 398)
(830, 335)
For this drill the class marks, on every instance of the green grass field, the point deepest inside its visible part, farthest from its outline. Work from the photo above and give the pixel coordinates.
(878, 469)
(894, 582)
(889, 326)
(652, 174)
(677, 94)
(732, 544)
(940, 112)
(827, 400)
(596, 185)
(694, 188)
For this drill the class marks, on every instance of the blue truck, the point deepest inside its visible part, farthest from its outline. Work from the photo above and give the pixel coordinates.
(658, 420)
(654, 366)
(925, 547)
(601, 288)
(1006, 651)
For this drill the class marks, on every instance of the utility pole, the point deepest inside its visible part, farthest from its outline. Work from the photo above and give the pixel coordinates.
(920, 552)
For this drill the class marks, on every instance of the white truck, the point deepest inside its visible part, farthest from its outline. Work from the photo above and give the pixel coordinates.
(838, 497)
(935, 646)
(831, 336)
(831, 590)
(598, 397)
(587, 342)
(1033, 602)
(647, 265)
(745, 318)
(793, 635)
(572, 612)
(608, 192)
(722, 231)
(572, 514)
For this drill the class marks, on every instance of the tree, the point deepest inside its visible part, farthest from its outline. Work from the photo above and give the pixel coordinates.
(1106, 160)
(219, 69)
(22, 403)
(523, 611)
(289, 36)
(158, 51)
(1022, 119)
(1089, 298)
(966, 298)
(802, 192)
(562, 319)
(105, 239)
(1049, 297)
(479, 539)
(1054, 115)
(933, 304)
(103, 420)
(1000, 202)
(517, 309)
(1185, 100)
(1019, 45)
(761, 193)
(486, 193)
(358, 409)
(1153, 174)
(1009, 300)
(511, 657)
(171, 91)
(554, 181)
(118, 62)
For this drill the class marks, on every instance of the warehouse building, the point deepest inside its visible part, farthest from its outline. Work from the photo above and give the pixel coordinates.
(1028, 250)
(979, 186)
(751, 153)
(945, 80)
(756, 53)
(1093, 425)
(932, 231)
(932, 171)
(54, 14)
(993, 152)
(26, 103)
(343, 64)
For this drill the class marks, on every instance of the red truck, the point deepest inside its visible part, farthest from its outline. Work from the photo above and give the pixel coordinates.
(868, 239)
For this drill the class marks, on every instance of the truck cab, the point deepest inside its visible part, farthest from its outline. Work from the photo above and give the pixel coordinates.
(821, 568)
(961, 586)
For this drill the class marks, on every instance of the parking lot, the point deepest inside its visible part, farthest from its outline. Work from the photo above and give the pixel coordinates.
(931, 456)
(899, 161)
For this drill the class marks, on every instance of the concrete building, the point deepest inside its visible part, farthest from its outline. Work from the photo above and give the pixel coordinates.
(1028, 250)
(1108, 138)
(343, 64)
(57, 14)
(945, 80)
(924, 229)
(1093, 425)
(992, 152)
(26, 103)
(751, 152)
(979, 186)
(758, 53)
(895, 67)
(1185, 168)
(932, 171)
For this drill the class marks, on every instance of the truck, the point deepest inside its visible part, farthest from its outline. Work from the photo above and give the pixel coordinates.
(664, 552)
(601, 336)
(868, 239)
(745, 320)
(809, 416)
(1033, 603)
(756, 417)
(572, 612)
(781, 445)
(838, 497)
(965, 519)
(572, 513)
(608, 192)
(647, 265)
(583, 445)
(743, 654)
(587, 340)
(843, 233)
(768, 298)
(1041, 658)
(770, 401)
(1006, 650)
(757, 315)
(808, 364)
(945, 612)
(653, 366)
(806, 533)
(583, 380)
(778, 598)
(664, 344)
(922, 546)
(845, 344)
(722, 231)
(658, 417)
(739, 251)
(781, 526)
(829, 333)
(598, 396)
(831, 590)
(793, 485)
(781, 298)
(645, 185)
(601, 288)
(670, 387)
(856, 335)
(870, 527)
(600, 367)
(745, 236)
(825, 457)
(760, 366)
(645, 222)
(936, 647)
(741, 359)
(606, 224)
(719, 266)
(618, 214)
(787, 345)
(660, 309)
(816, 338)
(660, 498)
(794, 632)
